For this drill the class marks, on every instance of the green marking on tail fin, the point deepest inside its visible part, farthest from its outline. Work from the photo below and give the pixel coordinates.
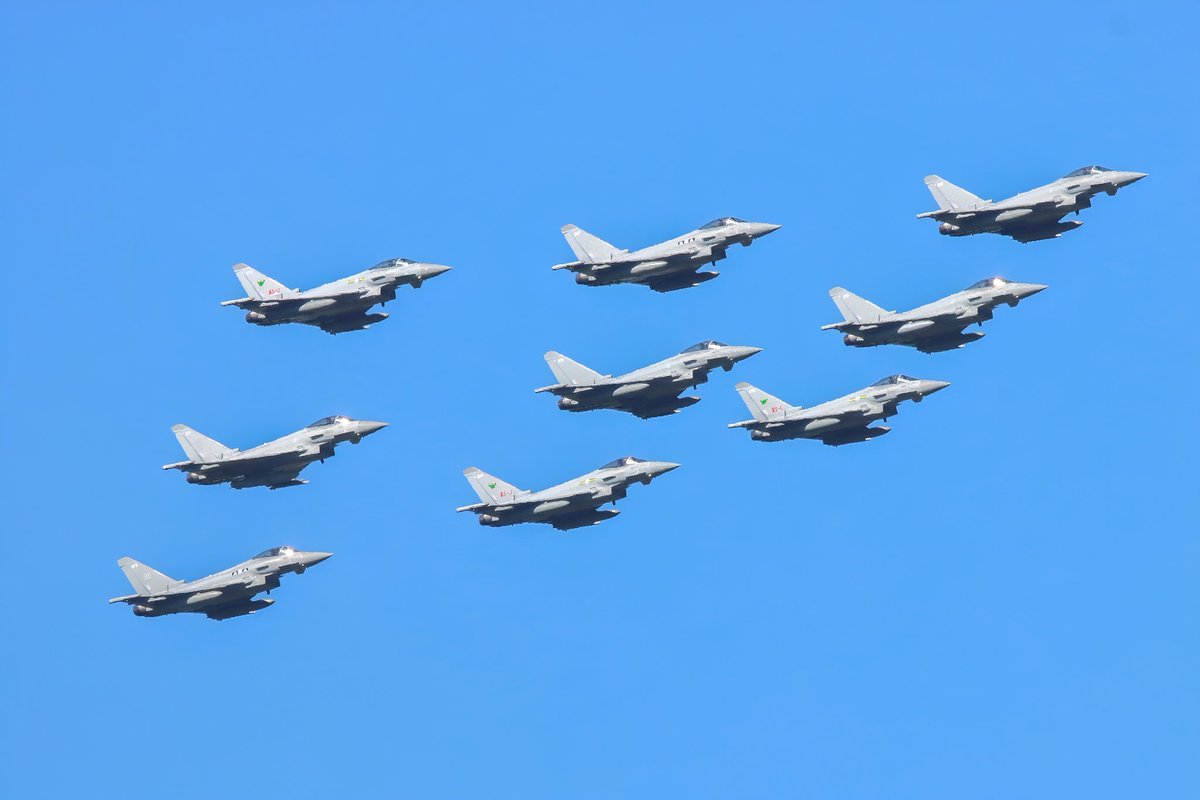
(763, 401)
(260, 283)
(491, 486)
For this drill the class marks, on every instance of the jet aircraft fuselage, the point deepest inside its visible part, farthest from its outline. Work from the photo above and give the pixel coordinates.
(651, 391)
(664, 267)
(845, 420)
(931, 328)
(275, 464)
(222, 595)
(1026, 217)
(335, 307)
(573, 504)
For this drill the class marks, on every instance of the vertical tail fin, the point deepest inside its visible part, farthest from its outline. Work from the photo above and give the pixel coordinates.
(259, 286)
(199, 448)
(490, 488)
(763, 406)
(950, 197)
(145, 580)
(587, 248)
(570, 373)
(855, 308)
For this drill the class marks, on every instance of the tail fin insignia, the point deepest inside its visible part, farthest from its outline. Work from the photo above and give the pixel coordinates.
(764, 407)
(490, 488)
(260, 286)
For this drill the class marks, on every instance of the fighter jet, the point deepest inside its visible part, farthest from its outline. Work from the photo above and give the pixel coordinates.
(837, 422)
(335, 307)
(663, 267)
(1028, 216)
(222, 595)
(275, 464)
(651, 391)
(931, 328)
(570, 505)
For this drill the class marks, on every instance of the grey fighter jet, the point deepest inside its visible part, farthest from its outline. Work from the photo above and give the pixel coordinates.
(335, 307)
(570, 505)
(222, 595)
(275, 464)
(1028, 216)
(663, 267)
(842, 421)
(651, 391)
(931, 328)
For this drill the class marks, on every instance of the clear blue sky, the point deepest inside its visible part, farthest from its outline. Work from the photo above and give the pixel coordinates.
(998, 600)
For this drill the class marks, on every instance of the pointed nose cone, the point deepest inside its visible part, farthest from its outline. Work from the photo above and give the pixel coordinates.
(366, 427)
(742, 353)
(312, 557)
(433, 270)
(1030, 289)
(929, 387)
(663, 467)
(1127, 178)
(763, 228)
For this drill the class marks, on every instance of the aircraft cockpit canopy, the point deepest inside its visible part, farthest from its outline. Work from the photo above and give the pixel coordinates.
(1084, 171)
(323, 421)
(623, 462)
(892, 380)
(284, 550)
(392, 262)
(699, 347)
(720, 223)
(989, 283)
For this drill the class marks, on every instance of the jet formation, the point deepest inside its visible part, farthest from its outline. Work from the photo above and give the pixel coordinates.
(664, 267)
(652, 391)
(931, 328)
(845, 420)
(335, 307)
(573, 504)
(276, 464)
(1029, 216)
(222, 595)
